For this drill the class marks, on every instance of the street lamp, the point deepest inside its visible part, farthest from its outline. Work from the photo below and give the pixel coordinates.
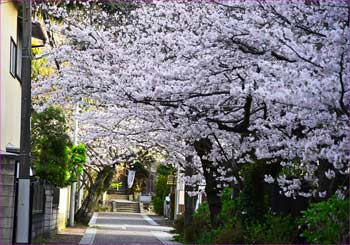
(82, 104)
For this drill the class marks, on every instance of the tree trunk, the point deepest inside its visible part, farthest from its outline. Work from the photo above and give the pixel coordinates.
(203, 147)
(101, 183)
(189, 200)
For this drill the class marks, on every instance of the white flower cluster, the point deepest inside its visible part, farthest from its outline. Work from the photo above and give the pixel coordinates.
(268, 83)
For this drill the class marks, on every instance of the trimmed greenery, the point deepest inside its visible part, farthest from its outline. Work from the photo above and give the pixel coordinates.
(327, 222)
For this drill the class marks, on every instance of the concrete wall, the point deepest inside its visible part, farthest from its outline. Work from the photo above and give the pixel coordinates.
(63, 208)
(7, 198)
(10, 87)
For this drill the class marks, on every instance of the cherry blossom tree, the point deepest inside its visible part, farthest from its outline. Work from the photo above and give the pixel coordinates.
(223, 84)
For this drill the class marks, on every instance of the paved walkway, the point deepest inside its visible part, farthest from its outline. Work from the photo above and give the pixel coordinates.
(126, 228)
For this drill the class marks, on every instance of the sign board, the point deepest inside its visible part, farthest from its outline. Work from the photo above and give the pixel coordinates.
(131, 177)
(171, 180)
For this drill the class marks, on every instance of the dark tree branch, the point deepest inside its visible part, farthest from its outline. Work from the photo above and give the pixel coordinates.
(301, 57)
(342, 92)
(281, 57)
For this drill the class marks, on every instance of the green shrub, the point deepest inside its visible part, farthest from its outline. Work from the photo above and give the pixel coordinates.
(229, 208)
(51, 147)
(202, 216)
(280, 229)
(161, 191)
(238, 228)
(274, 229)
(165, 170)
(231, 234)
(77, 156)
(191, 233)
(179, 224)
(207, 237)
(252, 198)
(200, 226)
(327, 222)
(161, 187)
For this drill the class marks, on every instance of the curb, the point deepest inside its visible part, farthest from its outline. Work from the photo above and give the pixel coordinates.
(90, 232)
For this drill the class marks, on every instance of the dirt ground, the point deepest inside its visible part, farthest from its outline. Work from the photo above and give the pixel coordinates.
(70, 235)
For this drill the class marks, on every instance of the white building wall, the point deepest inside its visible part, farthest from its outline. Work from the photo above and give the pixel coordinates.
(63, 208)
(10, 87)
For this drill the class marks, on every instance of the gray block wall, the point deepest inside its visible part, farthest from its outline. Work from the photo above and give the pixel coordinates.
(7, 197)
(45, 223)
(51, 213)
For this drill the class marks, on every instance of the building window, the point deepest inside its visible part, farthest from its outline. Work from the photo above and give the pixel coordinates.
(19, 50)
(13, 58)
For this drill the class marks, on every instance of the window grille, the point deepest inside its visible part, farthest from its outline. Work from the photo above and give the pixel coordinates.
(19, 51)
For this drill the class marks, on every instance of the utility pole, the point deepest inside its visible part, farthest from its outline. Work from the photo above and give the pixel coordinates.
(79, 176)
(74, 184)
(23, 232)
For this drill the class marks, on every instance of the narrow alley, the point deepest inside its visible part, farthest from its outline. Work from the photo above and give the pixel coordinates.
(174, 122)
(126, 228)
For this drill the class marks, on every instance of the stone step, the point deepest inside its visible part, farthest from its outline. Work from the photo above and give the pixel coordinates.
(127, 203)
(130, 207)
(127, 210)
(134, 208)
(117, 197)
(120, 208)
(127, 207)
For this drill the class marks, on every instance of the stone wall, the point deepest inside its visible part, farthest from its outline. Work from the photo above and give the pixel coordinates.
(7, 197)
